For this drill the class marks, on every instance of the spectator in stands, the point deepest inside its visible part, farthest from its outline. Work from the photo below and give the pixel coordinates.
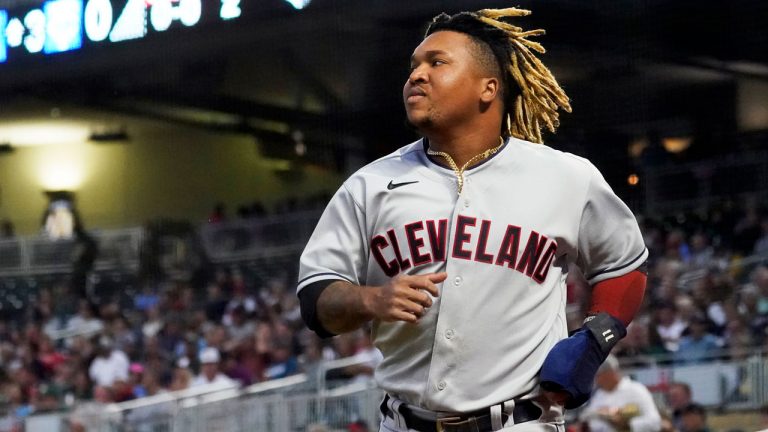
(19, 406)
(181, 376)
(620, 403)
(284, 363)
(669, 325)
(86, 416)
(240, 298)
(219, 213)
(698, 344)
(48, 358)
(136, 380)
(761, 245)
(747, 231)
(110, 365)
(235, 369)
(85, 322)
(708, 294)
(739, 340)
(82, 387)
(694, 419)
(6, 230)
(642, 342)
(240, 327)
(701, 252)
(678, 396)
(147, 299)
(125, 337)
(150, 382)
(216, 304)
(749, 309)
(759, 278)
(153, 322)
(210, 358)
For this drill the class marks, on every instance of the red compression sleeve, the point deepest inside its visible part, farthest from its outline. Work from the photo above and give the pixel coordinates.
(620, 296)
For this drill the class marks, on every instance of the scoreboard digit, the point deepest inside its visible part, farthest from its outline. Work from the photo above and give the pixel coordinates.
(57, 26)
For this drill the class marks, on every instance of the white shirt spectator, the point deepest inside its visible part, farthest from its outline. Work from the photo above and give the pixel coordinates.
(104, 371)
(209, 370)
(672, 333)
(219, 380)
(626, 393)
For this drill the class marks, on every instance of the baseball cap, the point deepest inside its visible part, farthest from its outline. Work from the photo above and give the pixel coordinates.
(209, 355)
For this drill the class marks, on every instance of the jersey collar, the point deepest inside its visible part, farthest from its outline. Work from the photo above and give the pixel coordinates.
(431, 159)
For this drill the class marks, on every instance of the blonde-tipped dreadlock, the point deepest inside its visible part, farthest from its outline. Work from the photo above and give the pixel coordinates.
(536, 103)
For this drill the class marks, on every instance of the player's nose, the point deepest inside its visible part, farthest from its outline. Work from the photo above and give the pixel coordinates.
(418, 75)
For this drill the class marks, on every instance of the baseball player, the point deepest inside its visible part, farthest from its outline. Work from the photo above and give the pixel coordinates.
(456, 247)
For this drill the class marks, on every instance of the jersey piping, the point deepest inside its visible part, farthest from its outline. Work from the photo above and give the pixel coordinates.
(325, 274)
(609, 269)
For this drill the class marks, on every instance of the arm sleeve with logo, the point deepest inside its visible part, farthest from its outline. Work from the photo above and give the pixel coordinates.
(610, 243)
(337, 249)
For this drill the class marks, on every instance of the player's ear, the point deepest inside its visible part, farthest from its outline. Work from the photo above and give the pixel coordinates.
(490, 89)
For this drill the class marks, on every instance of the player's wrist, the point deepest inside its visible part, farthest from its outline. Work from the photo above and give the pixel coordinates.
(606, 330)
(367, 296)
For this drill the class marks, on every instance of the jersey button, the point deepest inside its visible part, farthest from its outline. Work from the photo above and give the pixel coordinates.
(449, 334)
(466, 202)
(441, 385)
(457, 281)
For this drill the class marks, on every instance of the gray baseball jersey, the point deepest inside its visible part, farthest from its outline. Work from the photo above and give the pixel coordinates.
(505, 242)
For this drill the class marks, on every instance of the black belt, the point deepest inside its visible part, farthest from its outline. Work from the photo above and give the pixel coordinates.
(475, 421)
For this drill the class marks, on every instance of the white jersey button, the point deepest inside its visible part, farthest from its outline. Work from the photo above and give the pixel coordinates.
(441, 385)
(449, 334)
(457, 281)
(466, 202)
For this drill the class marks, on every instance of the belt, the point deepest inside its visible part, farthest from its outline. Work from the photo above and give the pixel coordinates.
(475, 421)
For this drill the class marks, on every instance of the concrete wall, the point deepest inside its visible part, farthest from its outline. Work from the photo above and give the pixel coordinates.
(163, 171)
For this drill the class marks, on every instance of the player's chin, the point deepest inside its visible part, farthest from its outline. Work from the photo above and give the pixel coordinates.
(418, 120)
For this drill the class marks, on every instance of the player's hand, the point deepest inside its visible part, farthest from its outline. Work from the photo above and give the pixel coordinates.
(404, 297)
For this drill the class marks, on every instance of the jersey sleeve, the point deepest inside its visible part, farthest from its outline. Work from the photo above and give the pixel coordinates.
(337, 249)
(609, 241)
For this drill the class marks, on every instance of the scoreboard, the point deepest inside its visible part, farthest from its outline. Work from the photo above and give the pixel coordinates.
(57, 26)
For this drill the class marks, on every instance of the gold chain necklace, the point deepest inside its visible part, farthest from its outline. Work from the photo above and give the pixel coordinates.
(460, 171)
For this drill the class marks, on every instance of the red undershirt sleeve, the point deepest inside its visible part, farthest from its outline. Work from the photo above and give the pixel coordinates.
(620, 297)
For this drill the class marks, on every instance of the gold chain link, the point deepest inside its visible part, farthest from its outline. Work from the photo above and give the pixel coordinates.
(460, 171)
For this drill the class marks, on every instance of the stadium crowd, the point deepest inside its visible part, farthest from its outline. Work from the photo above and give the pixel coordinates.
(707, 293)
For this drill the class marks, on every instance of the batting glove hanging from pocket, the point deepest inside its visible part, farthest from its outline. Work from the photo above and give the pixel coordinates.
(572, 363)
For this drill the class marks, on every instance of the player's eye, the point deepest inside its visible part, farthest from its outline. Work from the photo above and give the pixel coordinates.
(437, 62)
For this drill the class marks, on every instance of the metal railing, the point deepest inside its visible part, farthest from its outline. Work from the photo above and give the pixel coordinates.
(229, 241)
(257, 238)
(117, 250)
(299, 403)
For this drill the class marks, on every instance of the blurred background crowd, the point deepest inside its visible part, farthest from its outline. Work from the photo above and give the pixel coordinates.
(180, 161)
(707, 298)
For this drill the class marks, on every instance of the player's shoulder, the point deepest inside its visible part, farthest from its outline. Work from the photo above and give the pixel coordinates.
(393, 165)
(397, 161)
(546, 156)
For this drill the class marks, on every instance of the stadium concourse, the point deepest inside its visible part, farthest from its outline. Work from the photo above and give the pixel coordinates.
(130, 337)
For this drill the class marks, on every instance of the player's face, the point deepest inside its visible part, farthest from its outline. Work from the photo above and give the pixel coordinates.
(445, 82)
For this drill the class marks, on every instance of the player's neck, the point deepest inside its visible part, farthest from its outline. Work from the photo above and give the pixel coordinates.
(462, 148)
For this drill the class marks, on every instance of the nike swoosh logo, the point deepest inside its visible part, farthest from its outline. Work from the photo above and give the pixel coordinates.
(393, 185)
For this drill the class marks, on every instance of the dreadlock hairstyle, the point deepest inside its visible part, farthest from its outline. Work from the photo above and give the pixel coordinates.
(531, 95)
